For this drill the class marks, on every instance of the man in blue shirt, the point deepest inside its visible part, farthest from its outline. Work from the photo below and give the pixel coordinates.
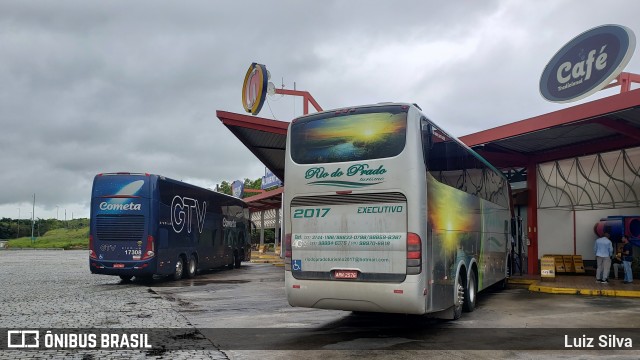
(627, 258)
(603, 250)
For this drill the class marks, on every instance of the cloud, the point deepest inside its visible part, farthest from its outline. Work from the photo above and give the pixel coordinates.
(134, 86)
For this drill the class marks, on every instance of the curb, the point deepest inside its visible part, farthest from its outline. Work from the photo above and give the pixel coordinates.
(264, 261)
(589, 292)
(267, 259)
(513, 281)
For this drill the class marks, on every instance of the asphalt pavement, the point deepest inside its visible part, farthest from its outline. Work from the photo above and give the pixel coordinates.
(243, 314)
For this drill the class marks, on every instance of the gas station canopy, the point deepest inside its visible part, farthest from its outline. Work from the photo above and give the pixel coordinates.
(607, 124)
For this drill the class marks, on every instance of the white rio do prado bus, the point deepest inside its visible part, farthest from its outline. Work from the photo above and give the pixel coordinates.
(385, 212)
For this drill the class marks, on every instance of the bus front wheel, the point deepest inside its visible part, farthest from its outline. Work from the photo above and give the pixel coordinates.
(458, 301)
(177, 275)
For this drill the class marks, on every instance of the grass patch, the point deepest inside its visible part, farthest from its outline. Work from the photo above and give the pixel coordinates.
(59, 239)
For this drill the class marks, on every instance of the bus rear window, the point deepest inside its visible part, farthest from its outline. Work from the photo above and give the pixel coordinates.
(121, 186)
(354, 135)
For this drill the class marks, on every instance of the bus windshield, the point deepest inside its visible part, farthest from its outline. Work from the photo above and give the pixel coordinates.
(349, 135)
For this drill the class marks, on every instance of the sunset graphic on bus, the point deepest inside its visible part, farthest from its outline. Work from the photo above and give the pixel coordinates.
(349, 138)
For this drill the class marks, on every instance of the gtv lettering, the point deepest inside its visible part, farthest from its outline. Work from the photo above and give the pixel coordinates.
(577, 72)
(182, 210)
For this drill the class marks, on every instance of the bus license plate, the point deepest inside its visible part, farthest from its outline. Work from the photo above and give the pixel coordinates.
(345, 274)
(118, 265)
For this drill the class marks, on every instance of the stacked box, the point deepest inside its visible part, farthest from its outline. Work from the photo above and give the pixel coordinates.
(568, 263)
(548, 268)
(578, 265)
(559, 261)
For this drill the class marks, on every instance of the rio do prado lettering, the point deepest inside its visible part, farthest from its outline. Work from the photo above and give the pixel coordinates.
(353, 170)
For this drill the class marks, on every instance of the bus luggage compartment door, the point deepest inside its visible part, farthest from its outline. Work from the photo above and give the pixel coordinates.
(349, 242)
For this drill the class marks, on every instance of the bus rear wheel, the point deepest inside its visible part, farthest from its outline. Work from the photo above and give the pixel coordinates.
(470, 293)
(192, 267)
(177, 274)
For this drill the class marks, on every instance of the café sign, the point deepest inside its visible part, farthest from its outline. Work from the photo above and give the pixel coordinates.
(587, 63)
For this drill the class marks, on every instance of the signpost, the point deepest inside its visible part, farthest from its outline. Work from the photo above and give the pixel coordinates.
(237, 188)
(269, 180)
(256, 87)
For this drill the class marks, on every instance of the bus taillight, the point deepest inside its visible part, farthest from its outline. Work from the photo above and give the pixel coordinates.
(414, 254)
(150, 251)
(92, 253)
(287, 252)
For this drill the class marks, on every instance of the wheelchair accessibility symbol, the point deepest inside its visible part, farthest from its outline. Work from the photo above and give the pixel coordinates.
(296, 265)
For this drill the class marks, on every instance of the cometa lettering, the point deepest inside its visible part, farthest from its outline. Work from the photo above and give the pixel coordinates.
(379, 209)
(130, 206)
(228, 223)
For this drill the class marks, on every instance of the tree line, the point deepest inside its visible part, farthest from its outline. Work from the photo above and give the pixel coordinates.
(14, 228)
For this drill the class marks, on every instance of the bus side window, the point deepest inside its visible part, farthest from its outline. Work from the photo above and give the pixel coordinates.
(427, 141)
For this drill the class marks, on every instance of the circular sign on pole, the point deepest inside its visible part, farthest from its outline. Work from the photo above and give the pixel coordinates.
(587, 63)
(254, 89)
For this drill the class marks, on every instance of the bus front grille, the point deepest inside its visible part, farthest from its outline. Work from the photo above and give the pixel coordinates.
(120, 227)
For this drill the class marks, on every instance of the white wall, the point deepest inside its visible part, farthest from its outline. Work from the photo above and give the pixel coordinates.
(581, 182)
(555, 230)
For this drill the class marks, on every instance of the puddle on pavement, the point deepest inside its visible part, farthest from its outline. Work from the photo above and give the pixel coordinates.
(194, 282)
(167, 282)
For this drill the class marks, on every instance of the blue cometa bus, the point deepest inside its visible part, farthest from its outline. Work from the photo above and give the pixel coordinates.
(144, 225)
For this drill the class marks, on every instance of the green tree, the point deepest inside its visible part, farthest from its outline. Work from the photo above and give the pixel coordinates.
(253, 184)
(224, 187)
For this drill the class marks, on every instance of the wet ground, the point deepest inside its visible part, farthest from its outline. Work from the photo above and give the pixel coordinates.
(243, 312)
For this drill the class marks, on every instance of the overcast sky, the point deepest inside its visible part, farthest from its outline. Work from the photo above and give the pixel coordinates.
(104, 86)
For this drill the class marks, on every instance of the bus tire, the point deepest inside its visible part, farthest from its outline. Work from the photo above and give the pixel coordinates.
(459, 298)
(471, 293)
(232, 264)
(505, 282)
(179, 270)
(238, 260)
(192, 267)
(126, 277)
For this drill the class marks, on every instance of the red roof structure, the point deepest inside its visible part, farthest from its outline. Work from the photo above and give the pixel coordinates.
(607, 124)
